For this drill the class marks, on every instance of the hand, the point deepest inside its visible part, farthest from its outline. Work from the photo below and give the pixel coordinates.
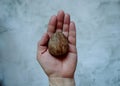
(52, 66)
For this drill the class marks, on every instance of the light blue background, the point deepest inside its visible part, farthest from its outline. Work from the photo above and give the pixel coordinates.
(23, 22)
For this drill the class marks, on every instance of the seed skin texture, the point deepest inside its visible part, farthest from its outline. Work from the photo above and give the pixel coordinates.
(58, 44)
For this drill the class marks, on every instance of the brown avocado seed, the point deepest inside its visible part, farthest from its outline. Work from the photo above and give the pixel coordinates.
(58, 44)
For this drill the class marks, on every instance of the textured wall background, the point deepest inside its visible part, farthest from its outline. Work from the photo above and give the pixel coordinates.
(22, 23)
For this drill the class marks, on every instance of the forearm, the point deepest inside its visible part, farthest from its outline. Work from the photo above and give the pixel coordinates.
(61, 81)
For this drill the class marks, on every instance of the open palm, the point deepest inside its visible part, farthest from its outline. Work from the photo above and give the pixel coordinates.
(55, 67)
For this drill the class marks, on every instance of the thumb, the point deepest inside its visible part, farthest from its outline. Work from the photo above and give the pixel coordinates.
(42, 44)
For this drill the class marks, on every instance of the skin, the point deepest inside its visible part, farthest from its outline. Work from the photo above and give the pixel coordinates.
(52, 66)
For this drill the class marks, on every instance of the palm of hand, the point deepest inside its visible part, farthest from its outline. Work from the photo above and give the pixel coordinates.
(55, 67)
(58, 67)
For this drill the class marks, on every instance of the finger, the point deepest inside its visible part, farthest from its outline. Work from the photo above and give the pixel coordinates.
(60, 20)
(44, 40)
(72, 33)
(66, 24)
(42, 45)
(72, 48)
(52, 25)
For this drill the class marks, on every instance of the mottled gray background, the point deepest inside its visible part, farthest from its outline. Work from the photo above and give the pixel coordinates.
(22, 23)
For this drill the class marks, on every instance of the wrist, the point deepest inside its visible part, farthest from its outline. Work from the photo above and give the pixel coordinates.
(60, 81)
